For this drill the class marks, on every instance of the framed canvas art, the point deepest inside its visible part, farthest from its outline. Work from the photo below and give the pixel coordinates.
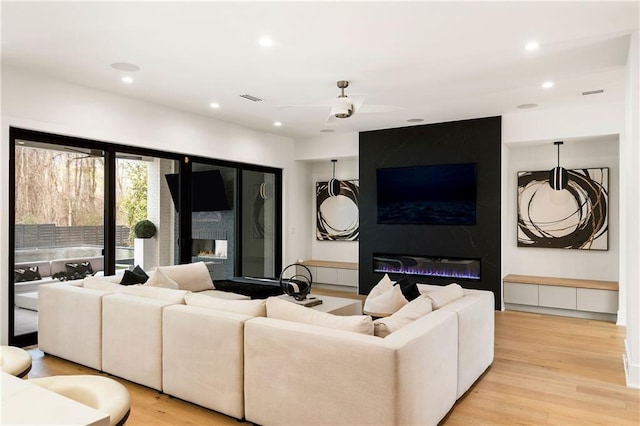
(337, 217)
(572, 218)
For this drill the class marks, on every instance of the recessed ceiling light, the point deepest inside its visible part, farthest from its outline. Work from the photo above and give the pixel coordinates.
(532, 45)
(547, 85)
(214, 105)
(527, 106)
(125, 66)
(127, 80)
(277, 124)
(265, 42)
(327, 130)
(415, 120)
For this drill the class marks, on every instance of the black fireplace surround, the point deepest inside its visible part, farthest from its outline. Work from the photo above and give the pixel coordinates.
(475, 141)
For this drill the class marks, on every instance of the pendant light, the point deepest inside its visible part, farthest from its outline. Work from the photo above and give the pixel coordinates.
(558, 176)
(334, 184)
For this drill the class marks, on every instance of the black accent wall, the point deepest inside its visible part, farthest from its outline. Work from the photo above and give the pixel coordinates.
(469, 141)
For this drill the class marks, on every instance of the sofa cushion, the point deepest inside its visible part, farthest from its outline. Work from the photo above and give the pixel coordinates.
(386, 303)
(167, 294)
(254, 308)
(410, 312)
(28, 273)
(445, 295)
(136, 276)
(383, 285)
(408, 287)
(281, 309)
(102, 283)
(160, 279)
(191, 276)
(227, 295)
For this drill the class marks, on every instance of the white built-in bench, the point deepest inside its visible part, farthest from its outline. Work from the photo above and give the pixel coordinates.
(332, 273)
(581, 298)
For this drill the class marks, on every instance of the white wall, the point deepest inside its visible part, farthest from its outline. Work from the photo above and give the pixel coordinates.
(630, 223)
(314, 157)
(39, 103)
(587, 264)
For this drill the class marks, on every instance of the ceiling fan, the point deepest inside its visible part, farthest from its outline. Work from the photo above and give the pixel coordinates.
(346, 106)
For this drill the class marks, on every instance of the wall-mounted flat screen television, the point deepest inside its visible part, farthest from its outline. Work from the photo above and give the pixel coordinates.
(427, 195)
(208, 191)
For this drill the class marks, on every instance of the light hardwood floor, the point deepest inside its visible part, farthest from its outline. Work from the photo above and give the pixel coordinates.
(547, 370)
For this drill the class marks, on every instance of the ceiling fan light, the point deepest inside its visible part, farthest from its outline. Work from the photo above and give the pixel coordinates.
(343, 108)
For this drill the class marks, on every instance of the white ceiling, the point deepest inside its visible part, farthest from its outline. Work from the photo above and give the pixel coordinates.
(439, 61)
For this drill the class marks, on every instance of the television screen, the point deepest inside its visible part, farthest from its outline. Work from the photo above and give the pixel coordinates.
(208, 191)
(432, 195)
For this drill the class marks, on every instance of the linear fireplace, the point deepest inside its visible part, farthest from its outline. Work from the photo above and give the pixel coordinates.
(427, 266)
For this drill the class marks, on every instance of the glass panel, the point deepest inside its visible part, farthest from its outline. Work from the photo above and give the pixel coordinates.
(59, 221)
(142, 192)
(258, 224)
(213, 218)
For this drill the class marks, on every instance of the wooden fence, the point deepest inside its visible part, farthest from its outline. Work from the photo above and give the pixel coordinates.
(49, 235)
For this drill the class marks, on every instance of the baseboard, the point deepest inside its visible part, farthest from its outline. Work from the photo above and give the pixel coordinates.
(622, 317)
(631, 371)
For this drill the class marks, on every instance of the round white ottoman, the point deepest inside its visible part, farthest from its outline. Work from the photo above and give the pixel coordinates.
(101, 393)
(15, 361)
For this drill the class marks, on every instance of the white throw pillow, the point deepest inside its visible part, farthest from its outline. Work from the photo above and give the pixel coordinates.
(103, 283)
(254, 308)
(288, 311)
(386, 303)
(168, 294)
(160, 279)
(445, 295)
(410, 312)
(191, 276)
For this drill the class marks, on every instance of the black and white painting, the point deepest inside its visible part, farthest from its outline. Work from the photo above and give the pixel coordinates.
(573, 218)
(337, 217)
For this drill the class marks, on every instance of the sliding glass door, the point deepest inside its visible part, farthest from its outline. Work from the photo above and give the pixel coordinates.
(260, 224)
(75, 202)
(58, 222)
(143, 193)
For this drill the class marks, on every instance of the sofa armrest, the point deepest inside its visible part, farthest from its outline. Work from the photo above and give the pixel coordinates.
(132, 338)
(339, 377)
(476, 318)
(203, 357)
(70, 323)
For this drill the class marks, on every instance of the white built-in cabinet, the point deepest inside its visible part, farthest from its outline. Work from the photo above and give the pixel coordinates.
(562, 296)
(333, 273)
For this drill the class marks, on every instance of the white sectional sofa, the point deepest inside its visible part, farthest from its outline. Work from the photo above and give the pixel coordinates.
(268, 370)
(411, 377)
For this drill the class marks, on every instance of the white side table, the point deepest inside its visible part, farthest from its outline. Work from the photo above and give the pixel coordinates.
(336, 305)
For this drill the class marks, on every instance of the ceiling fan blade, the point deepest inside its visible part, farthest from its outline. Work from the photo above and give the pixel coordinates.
(324, 103)
(357, 102)
(379, 108)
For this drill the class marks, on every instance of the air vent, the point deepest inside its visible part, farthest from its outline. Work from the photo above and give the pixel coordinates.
(251, 98)
(592, 92)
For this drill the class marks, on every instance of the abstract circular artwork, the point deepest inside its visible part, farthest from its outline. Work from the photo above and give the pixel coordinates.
(337, 217)
(574, 218)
